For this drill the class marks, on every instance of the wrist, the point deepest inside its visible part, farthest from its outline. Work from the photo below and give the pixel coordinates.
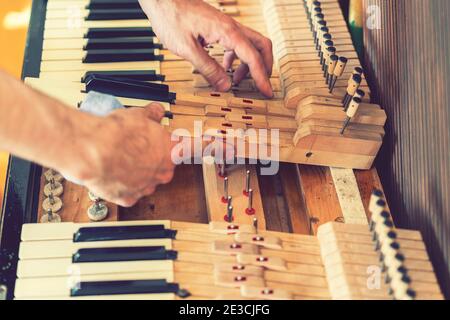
(80, 154)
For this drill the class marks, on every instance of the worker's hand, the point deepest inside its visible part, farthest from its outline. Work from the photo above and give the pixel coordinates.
(186, 27)
(130, 154)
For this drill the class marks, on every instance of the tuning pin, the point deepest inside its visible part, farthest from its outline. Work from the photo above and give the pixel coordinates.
(50, 217)
(98, 211)
(52, 174)
(229, 201)
(53, 187)
(250, 210)
(229, 216)
(332, 62)
(338, 71)
(92, 196)
(351, 112)
(353, 85)
(52, 203)
(247, 183)
(225, 190)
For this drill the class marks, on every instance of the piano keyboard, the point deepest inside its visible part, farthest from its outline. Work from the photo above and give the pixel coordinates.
(85, 40)
(175, 260)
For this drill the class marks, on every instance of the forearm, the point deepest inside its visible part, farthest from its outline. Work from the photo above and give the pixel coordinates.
(41, 129)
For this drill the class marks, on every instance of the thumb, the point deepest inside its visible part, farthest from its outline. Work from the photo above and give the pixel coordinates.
(154, 111)
(210, 69)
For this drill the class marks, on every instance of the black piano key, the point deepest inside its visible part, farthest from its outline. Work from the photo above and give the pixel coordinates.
(116, 14)
(93, 82)
(123, 254)
(138, 75)
(112, 4)
(100, 288)
(112, 233)
(101, 33)
(122, 43)
(121, 55)
(130, 89)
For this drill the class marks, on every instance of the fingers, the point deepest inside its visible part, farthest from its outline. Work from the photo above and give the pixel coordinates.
(249, 55)
(154, 111)
(263, 45)
(209, 67)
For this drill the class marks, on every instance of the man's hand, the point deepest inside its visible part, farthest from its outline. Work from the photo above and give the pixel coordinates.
(185, 27)
(130, 155)
(120, 158)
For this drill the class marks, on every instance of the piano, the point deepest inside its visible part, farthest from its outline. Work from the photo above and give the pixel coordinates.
(313, 230)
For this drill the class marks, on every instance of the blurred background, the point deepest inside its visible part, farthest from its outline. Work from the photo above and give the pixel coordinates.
(14, 17)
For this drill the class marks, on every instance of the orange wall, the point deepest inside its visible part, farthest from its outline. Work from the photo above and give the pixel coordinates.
(13, 22)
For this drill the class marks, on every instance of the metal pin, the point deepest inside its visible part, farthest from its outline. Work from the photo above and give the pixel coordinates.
(222, 170)
(51, 199)
(247, 183)
(50, 214)
(225, 190)
(230, 214)
(229, 201)
(255, 224)
(250, 210)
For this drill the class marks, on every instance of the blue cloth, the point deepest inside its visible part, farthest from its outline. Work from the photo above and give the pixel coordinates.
(100, 104)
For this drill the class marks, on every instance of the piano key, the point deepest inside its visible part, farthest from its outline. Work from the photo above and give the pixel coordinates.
(60, 286)
(109, 55)
(114, 254)
(67, 248)
(139, 75)
(110, 233)
(111, 4)
(85, 44)
(96, 14)
(81, 24)
(66, 230)
(58, 267)
(98, 288)
(130, 89)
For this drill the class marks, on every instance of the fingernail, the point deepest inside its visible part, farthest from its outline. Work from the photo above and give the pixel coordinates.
(224, 84)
